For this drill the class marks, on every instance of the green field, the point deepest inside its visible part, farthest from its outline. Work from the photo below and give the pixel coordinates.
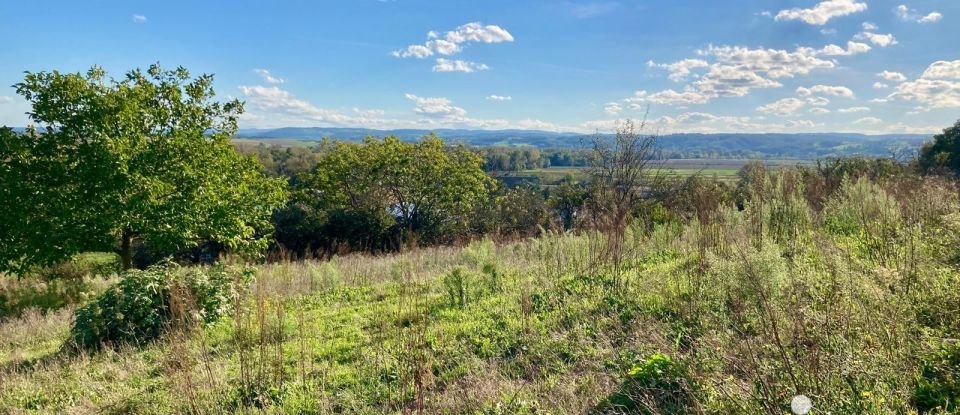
(722, 169)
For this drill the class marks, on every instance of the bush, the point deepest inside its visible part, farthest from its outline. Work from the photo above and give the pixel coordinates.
(655, 385)
(938, 386)
(456, 284)
(138, 308)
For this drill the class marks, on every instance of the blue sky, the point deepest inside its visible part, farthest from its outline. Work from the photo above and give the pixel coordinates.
(699, 66)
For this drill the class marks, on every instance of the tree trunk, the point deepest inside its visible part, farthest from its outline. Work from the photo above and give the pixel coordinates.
(126, 250)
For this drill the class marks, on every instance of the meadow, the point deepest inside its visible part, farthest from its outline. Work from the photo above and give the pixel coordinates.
(850, 300)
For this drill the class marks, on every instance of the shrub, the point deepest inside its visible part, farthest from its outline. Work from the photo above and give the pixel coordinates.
(456, 284)
(655, 385)
(138, 308)
(938, 385)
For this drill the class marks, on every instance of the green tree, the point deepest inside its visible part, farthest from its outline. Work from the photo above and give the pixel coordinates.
(423, 188)
(112, 162)
(943, 153)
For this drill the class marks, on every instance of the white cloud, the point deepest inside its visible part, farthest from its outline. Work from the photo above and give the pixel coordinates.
(453, 41)
(282, 107)
(612, 108)
(667, 97)
(853, 110)
(880, 85)
(938, 87)
(369, 113)
(868, 120)
(943, 70)
(818, 101)
(774, 62)
(446, 65)
(736, 71)
(931, 18)
(910, 15)
(892, 76)
(436, 107)
(853, 48)
(878, 39)
(837, 91)
(499, 98)
(822, 12)
(680, 70)
(267, 76)
(828, 31)
(415, 51)
(782, 107)
(818, 110)
(870, 26)
(139, 18)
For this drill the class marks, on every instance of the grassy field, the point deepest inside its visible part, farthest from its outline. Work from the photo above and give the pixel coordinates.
(722, 169)
(717, 318)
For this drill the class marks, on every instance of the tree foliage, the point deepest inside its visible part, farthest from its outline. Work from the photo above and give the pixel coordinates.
(376, 194)
(110, 162)
(943, 153)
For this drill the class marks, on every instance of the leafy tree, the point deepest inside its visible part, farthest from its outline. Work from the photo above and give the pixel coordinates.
(943, 153)
(568, 199)
(394, 188)
(112, 162)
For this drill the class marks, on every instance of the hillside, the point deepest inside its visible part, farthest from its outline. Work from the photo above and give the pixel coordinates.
(737, 314)
(801, 146)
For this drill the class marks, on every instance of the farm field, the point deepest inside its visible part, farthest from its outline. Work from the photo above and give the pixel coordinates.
(721, 169)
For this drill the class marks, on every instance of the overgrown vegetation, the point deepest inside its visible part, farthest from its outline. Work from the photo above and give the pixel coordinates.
(640, 293)
(714, 309)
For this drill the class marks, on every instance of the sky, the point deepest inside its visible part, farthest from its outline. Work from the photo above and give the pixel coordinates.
(867, 66)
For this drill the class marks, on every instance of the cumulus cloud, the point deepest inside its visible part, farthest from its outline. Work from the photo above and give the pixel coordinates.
(837, 91)
(447, 65)
(822, 13)
(892, 76)
(734, 72)
(942, 70)
(882, 40)
(869, 26)
(818, 101)
(910, 15)
(436, 107)
(868, 120)
(139, 18)
(776, 63)
(283, 107)
(499, 98)
(681, 70)
(853, 48)
(453, 41)
(267, 76)
(853, 110)
(612, 108)
(782, 107)
(880, 85)
(937, 87)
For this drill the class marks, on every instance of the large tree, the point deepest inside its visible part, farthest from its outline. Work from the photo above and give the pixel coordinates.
(943, 153)
(112, 162)
(364, 192)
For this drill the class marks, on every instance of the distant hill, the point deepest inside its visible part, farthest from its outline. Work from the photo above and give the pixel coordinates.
(737, 145)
